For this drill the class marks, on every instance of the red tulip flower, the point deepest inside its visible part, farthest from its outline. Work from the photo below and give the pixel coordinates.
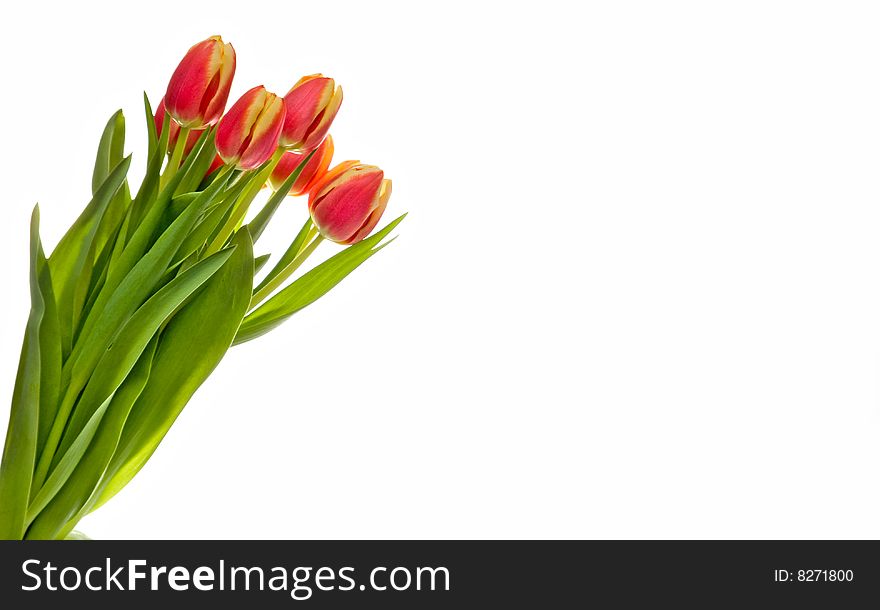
(199, 87)
(348, 202)
(310, 174)
(248, 134)
(311, 106)
(174, 130)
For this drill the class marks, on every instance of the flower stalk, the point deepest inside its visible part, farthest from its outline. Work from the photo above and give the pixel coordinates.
(176, 157)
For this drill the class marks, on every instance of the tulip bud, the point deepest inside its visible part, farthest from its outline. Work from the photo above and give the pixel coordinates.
(199, 87)
(174, 130)
(310, 174)
(311, 106)
(248, 134)
(347, 203)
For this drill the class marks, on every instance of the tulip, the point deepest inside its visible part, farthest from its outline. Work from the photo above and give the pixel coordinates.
(311, 106)
(248, 134)
(347, 203)
(310, 174)
(174, 130)
(199, 87)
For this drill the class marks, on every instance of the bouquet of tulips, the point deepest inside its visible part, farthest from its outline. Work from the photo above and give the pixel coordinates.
(145, 293)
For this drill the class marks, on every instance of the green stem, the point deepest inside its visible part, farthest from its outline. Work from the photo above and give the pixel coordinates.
(242, 205)
(176, 156)
(270, 287)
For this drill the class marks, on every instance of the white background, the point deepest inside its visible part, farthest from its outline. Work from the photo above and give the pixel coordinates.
(637, 295)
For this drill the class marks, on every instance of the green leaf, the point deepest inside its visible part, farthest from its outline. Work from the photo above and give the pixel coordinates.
(118, 214)
(180, 202)
(255, 182)
(144, 236)
(68, 260)
(152, 136)
(120, 297)
(204, 152)
(261, 220)
(116, 302)
(119, 359)
(99, 256)
(110, 154)
(289, 255)
(192, 344)
(211, 221)
(260, 261)
(64, 469)
(149, 189)
(50, 355)
(19, 453)
(109, 150)
(62, 509)
(119, 242)
(311, 286)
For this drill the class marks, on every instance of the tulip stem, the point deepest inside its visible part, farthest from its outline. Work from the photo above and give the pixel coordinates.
(270, 287)
(176, 157)
(241, 206)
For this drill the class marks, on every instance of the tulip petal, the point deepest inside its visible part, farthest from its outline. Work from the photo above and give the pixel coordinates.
(379, 205)
(317, 131)
(222, 83)
(330, 176)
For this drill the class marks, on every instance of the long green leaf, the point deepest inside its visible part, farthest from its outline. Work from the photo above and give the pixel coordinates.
(94, 268)
(110, 154)
(117, 301)
(120, 297)
(19, 452)
(289, 255)
(255, 182)
(109, 150)
(68, 260)
(311, 286)
(192, 345)
(50, 355)
(66, 466)
(87, 292)
(119, 359)
(149, 189)
(152, 135)
(60, 509)
(143, 237)
(211, 222)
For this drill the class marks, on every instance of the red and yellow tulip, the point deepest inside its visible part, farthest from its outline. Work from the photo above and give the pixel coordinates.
(347, 203)
(247, 135)
(174, 130)
(311, 106)
(199, 88)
